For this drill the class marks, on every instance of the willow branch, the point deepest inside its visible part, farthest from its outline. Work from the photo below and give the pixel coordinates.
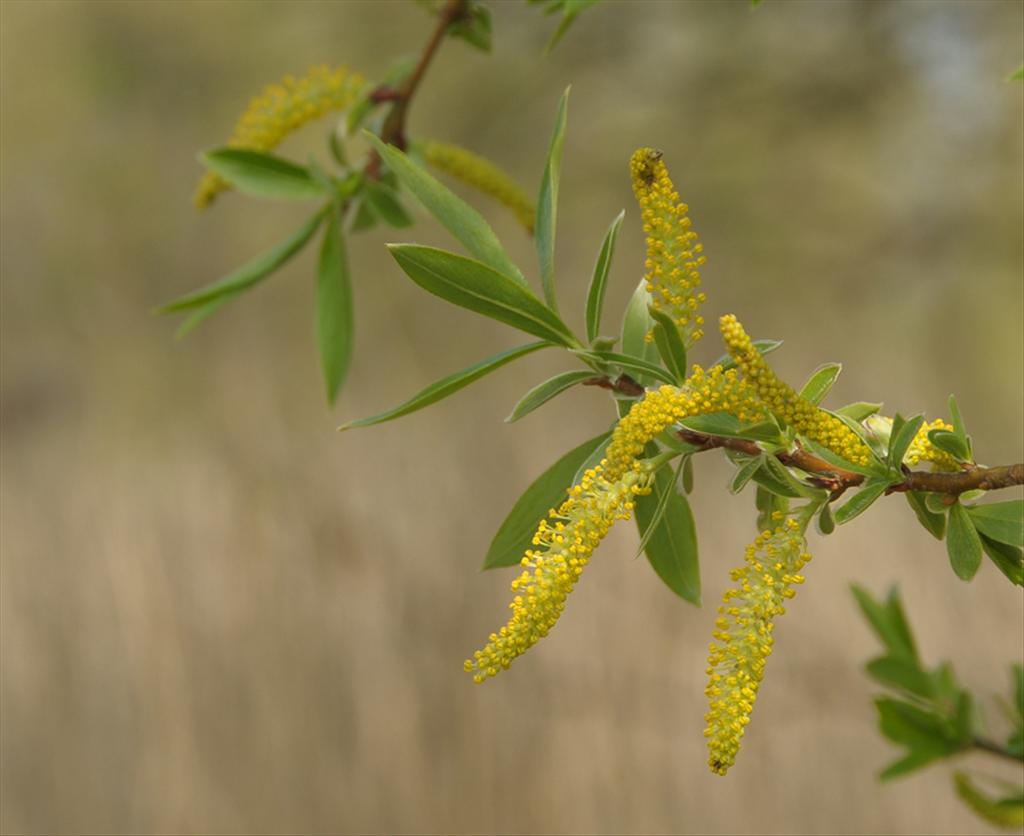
(392, 132)
(826, 475)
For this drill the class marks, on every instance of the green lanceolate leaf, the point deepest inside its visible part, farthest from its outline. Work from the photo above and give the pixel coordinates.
(1017, 75)
(900, 440)
(262, 175)
(547, 491)
(672, 547)
(669, 343)
(593, 460)
(386, 205)
(659, 512)
(475, 286)
(889, 622)
(1000, 521)
(334, 318)
(636, 322)
(782, 474)
(637, 367)
(959, 430)
(1008, 559)
(825, 520)
(927, 736)
(248, 274)
(687, 477)
(859, 410)
(447, 386)
(767, 481)
(962, 543)
(547, 206)
(744, 473)
(1006, 812)
(457, 216)
(763, 347)
(860, 501)
(933, 522)
(599, 279)
(820, 382)
(897, 672)
(839, 461)
(544, 392)
(950, 443)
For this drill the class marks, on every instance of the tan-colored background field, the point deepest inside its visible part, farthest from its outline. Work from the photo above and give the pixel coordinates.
(220, 616)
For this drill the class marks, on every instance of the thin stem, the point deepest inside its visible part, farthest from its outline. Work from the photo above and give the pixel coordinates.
(993, 748)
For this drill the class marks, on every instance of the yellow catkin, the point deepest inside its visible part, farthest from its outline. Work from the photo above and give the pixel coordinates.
(605, 495)
(673, 253)
(743, 635)
(282, 109)
(785, 403)
(922, 450)
(482, 175)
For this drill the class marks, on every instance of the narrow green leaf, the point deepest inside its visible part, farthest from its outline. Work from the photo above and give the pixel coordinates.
(669, 343)
(547, 206)
(544, 392)
(547, 491)
(636, 322)
(628, 363)
(826, 522)
(950, 443)
(659, 512)
(1008, 559)
(458, 217)
(838, 461)
(933, 522)
(763, 347)
(767, 481)
(672, 548)
(334, 319)
(744, 473)
(821, 382)
(859, 410)
(1005, 812)
(475, 286)
(1001, 521)
(860, 501)
(897, 672)
(899, 441)
(926, 735)
(1017, 75)
(599, 279)
(782, 473)
(687, 478)
(958, 425)
(248, 274)
(386, 205)
(889, 622)
(962, 543)
(262, 175)
(447, 386)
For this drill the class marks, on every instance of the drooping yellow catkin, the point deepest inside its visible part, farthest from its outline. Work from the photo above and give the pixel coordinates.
(922, 450)
(785, 403)
(743, 635)
(281, 109)
(673, 253)
(481, 174)
(604, 495)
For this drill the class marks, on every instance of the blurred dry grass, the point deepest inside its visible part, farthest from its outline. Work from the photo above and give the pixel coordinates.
(220, 616)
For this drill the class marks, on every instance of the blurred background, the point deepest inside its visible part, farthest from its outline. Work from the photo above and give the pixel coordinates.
(220, 616)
